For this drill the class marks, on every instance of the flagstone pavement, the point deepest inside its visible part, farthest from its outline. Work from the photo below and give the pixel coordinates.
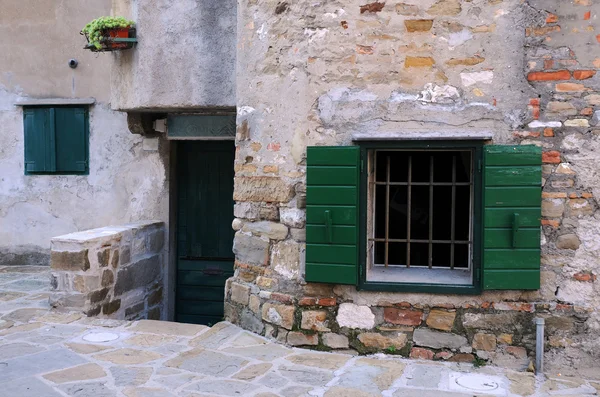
(47, 353)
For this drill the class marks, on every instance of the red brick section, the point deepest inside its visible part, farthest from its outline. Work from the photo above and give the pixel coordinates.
(306, 301)
(551, 18)
(463, 358)
(534, 106)
(549, 76)
(372, 7)
(443, 355)
(563, 307)
(327, 302)
(283, 298)
(551, 157)
(548, 222)
(554, 195)
(527, 134)
(588, 277)
(584, 74)
(402, 316)
(421, 354)
(548, 132)
(587, 16)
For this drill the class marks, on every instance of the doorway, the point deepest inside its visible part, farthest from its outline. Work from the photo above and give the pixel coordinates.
(204, 235)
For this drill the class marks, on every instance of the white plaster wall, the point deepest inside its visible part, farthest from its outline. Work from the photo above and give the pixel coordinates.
(125, 183)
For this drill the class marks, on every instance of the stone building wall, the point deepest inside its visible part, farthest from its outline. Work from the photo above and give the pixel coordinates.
(111, 272)
(127, 178)
(314, 73)
(184, 59)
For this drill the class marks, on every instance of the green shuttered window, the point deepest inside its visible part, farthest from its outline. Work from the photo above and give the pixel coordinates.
(512, 211)
(332, 214)
(56, 140)
(510, 217)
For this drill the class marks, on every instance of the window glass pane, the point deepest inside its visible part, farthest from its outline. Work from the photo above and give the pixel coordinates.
(463, 212)
(379, 226)
(441, 255)
(419, 225)
(442, 211)
(398, 166)
(420, 166)
(398, 211)
(463, 166)
(461, 255)
(419, 254)
(379, 253)
(397, 254)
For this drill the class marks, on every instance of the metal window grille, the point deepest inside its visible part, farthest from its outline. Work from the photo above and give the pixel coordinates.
(453, 251)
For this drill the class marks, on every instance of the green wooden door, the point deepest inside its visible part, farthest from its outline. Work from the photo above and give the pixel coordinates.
(204, 233)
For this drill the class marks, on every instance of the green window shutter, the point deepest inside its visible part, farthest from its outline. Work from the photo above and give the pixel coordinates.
(71, 140)
(511, 219)
(39, 140)
(332, 194)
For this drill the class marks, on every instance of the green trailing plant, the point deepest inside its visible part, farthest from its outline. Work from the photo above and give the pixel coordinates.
(96, 29)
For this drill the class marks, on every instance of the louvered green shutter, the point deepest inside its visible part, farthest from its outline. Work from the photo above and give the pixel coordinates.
(512, 212)
(71, 139)
(332, 195)
(39, 140)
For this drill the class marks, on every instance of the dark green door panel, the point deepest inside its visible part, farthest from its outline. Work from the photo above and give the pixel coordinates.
(332, 178)
(204, 235)
(511, 219)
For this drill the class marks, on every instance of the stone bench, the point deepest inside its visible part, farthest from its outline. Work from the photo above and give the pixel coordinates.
(114, 272)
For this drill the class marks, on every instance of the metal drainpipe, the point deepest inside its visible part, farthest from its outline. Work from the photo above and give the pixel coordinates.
(539, 345)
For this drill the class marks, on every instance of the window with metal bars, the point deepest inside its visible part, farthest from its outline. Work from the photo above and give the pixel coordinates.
(420, 216)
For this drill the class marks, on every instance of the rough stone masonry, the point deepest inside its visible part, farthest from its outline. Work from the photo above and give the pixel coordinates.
(112, 272)
(316, 72)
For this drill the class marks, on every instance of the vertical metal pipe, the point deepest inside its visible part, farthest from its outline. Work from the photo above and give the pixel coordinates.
(387, 211)
(539, 345)
(408, 211)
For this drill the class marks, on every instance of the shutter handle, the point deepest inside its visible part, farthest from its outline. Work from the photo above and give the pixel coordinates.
(328, 229)
(515, 229)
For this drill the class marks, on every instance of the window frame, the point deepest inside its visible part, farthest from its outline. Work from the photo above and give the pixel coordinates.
(86, 132)
(477, 158)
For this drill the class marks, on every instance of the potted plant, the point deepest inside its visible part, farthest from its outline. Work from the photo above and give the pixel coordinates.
(109, 34)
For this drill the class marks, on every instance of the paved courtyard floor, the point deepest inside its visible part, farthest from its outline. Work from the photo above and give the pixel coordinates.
(46, 353)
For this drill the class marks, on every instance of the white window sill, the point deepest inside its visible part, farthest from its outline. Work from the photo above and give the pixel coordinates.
(416, 275)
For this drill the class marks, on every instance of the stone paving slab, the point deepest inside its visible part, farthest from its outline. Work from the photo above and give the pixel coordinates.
(44, 353)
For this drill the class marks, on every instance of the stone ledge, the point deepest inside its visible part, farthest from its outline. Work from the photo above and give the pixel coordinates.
(451, 135)
(55, 101)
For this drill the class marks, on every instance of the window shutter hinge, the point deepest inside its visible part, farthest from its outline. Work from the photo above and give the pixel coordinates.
(479, 164)
(477, 273)
(362, 165)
